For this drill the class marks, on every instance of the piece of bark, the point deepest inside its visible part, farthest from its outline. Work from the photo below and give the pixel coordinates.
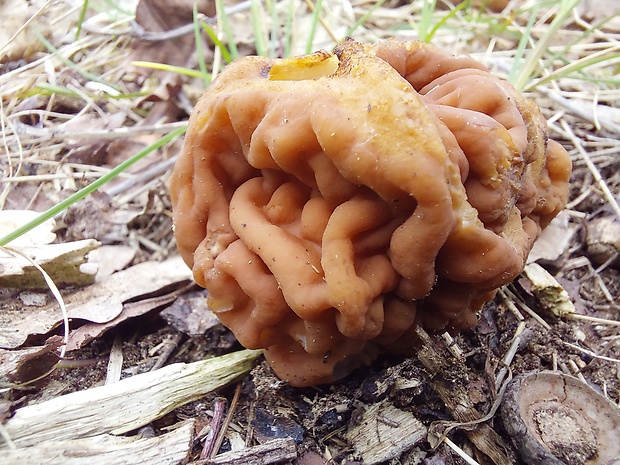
(168, 449)
(62, 262)
(126, 405)
(450, 380)
(384, 433)
(275, 451)
(551, 294)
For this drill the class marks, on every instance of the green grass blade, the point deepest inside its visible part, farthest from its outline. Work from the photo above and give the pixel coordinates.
(315, 20)
(218, 43)
(426, 19)
(364, 17)
(526, 72)
(257, 14)
(165, 67)
(58, 208)
(200, 53)
(72, 65)
(222, 17)
(81, 19)
(445, 19)
(577, 66)
(288, 28)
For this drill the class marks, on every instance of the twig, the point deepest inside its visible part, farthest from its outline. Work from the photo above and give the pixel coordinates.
(275, 451)
(592, 167)
(593, 319)
(512, 351)
(115, 362)
(208, 448)
(169, 346)
(227, 420)
(460, 452)
(63, 134)
(590, 353)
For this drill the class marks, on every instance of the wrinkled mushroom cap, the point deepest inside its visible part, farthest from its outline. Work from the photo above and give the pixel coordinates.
(330, 203)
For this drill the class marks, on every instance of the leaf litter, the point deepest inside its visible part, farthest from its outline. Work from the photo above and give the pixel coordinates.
(72, 112)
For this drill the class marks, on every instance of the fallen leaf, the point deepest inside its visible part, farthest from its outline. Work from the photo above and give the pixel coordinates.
(10, 220)
(554, 239)
(18, 366)
(111, 258)
(88, 332)
(190, 314)
(15, 13)
(100, 302)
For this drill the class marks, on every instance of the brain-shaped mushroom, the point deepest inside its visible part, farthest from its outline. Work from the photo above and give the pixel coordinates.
(330, 203)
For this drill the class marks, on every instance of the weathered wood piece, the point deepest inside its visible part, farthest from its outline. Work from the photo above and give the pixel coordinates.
(551, 294)
(384, 432)
(62, 262)
(274, 451)
(126, 405)
(168, 449)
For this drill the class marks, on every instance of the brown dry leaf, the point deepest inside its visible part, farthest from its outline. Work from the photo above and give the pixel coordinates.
(554, 240)
(155, 16)
(190, 314)
(86, 333)
(101, 302)
(14, 14)
(110, 259)
(26, 364)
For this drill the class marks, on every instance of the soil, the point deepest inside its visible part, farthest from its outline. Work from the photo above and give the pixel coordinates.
(318, 418)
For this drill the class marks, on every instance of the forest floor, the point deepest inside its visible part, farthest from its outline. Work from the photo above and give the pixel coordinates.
(82, 94)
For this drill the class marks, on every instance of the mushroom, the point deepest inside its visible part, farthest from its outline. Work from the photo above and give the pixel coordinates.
(555, 419)
(330, 203)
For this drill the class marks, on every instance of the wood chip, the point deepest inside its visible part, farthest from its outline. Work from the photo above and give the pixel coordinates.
(275, 451)
(551, 294)
(126, 405)
(384, 432)
(169, 449)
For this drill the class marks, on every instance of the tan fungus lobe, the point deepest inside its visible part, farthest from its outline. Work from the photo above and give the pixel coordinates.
(332, 202)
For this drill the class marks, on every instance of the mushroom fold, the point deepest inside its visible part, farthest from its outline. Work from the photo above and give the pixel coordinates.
(330, 203)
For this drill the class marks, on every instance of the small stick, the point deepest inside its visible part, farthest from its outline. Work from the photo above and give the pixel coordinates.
(227, 420)
(208, 447)
(512, 351)
(460, 452)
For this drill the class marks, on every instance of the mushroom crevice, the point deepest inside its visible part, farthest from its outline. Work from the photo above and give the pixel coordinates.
(330, 203)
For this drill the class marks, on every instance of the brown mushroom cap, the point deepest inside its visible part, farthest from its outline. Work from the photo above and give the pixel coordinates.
(330, 203)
